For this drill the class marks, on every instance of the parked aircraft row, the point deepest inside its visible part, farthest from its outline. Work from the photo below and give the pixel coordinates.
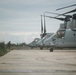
(65, 36)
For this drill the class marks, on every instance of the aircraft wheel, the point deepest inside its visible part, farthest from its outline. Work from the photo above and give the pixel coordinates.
(51, 49)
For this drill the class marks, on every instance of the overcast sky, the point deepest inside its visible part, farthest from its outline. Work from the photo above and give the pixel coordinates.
(20, 19)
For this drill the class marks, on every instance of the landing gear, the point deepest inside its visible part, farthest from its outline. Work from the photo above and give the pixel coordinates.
(51, 49)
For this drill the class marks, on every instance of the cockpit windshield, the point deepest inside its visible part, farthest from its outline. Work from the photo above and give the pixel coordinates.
(60, 34)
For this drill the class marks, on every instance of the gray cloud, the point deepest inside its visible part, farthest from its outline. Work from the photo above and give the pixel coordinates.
(18, 16)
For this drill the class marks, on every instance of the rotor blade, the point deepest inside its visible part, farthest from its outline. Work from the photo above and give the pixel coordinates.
(66, 7)
(56, 14)
(52, 13)
(59, 14)
(70, 11)
(62, 19)
(44, 25)
(41, 25)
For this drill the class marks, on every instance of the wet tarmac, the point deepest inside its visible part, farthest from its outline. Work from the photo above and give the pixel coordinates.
(38, 62)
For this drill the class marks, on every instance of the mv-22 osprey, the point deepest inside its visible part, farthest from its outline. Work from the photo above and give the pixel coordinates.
(44, 35)
(65, 37)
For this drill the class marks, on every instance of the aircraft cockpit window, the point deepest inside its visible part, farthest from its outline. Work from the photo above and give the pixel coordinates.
(74, 16)
(60, 34)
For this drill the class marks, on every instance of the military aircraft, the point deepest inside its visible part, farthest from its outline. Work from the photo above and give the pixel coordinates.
(65, 37)
(33, 43)
(44, 35)
(40, 43)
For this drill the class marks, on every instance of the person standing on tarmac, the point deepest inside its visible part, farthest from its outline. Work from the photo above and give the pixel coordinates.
(9, 44)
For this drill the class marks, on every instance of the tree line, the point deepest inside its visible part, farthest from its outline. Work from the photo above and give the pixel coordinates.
(4, 48)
